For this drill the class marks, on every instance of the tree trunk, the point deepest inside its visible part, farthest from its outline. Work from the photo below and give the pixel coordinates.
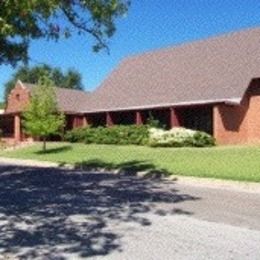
(44, 144)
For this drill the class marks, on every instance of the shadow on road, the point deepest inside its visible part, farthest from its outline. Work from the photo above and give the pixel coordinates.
(49, 212)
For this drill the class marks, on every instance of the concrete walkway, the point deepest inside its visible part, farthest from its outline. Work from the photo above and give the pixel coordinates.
(52, 213)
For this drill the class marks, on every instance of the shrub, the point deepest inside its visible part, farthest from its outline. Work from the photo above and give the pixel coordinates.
(120, 134)
(76, 135)
(179, 137)
(140, 135)
(202, 139)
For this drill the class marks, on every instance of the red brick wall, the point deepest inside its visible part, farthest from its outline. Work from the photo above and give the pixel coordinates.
(254, 117)
(18, 99)
(75, 121)
(239, 124)
(78, 121)
(230, 123)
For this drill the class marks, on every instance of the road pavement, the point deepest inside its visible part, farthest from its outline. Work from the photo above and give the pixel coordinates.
(51, 213)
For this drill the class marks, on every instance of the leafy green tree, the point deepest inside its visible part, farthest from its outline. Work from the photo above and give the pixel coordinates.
(42, 118)
(23, 20)
(69, 79)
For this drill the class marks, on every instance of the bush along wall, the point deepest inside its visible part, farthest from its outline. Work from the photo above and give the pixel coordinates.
(120, 134)
(179, 137)
(140, 135)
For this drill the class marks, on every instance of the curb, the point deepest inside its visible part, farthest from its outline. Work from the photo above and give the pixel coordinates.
(230, 185)
(28, 163)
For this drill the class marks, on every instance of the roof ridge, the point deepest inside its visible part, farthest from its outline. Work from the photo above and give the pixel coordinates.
(204, 40)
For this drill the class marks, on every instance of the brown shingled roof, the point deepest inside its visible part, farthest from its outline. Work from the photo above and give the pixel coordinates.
(215, 70)
(69, 100)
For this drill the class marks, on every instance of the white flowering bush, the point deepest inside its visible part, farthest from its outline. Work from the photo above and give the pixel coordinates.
(179, 137)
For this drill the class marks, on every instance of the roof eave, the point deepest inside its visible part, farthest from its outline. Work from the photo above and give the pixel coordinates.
(233, 101)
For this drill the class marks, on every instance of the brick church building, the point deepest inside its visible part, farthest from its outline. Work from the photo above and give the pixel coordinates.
(211, 85)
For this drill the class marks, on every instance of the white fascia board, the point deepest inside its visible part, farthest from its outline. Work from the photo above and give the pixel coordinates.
(231, 101)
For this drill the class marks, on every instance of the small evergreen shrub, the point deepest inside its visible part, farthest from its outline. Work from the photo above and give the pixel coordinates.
(120, 134)
(179, 137)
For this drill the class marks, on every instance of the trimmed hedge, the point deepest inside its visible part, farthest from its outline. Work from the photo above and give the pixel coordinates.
(120, 134)
(140, 135)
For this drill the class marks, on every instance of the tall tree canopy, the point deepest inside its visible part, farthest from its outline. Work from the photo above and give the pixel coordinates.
(69, 79)
(23, 20)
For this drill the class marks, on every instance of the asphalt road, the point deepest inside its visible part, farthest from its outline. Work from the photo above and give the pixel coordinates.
(48, 213)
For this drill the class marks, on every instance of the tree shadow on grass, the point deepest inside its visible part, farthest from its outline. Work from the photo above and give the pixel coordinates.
(55, 150)
(54, 213)
(133, 167)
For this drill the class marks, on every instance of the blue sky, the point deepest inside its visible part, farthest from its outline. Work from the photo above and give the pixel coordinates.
(149, 25)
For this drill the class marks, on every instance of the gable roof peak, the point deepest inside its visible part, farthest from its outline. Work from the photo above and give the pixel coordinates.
(20, 83)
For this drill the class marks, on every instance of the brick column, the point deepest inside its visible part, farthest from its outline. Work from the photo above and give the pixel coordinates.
(138, 118)
(85, 122)
(75, 121)
(17, 128)
(174, 118)
(109, 119)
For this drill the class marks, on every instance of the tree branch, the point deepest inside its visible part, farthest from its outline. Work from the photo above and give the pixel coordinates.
(82, 27)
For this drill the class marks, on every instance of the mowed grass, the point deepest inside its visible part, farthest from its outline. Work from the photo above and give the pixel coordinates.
(234, 163)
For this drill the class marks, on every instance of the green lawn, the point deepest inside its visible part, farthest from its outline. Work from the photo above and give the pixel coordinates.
(236, 163)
